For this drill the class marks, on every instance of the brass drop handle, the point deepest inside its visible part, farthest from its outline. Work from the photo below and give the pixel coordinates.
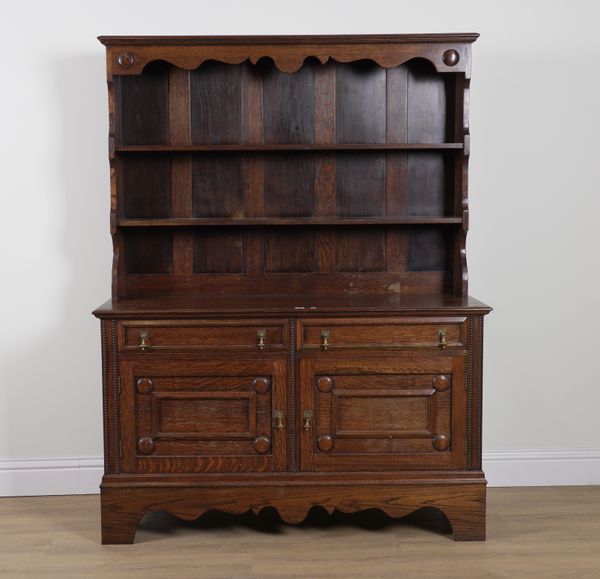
(325, 339)
(279, 420)
(144, 339)
(442, 339)
(307, 420)
(260, 339)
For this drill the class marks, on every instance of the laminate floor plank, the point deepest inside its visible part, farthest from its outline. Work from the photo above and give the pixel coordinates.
(549, 532)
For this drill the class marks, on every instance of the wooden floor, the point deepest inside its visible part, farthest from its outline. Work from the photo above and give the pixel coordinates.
(532, 532)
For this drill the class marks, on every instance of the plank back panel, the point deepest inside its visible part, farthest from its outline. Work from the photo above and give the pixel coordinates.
(289, 184)
(216, 102)
(147, 251)
(360, 103)
(360, 185)
(290, 251)
(428, 184)
(144, 106)
(217, 185)
(218, 251)
(429, 249)
(427, 104)
(288, 104)
(360, 250)
(336, 103)
(146, 186)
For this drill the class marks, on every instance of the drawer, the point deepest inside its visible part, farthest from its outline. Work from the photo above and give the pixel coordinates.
(156, 336)
(376, 333)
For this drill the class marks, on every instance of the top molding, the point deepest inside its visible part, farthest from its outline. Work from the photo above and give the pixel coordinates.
(459, 37)
(128, 55)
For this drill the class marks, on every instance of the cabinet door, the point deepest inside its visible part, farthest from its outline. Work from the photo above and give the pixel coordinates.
(184, 415)
(404, 412)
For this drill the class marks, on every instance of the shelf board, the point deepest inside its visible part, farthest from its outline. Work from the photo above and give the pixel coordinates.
(258, 148)
(277, 221)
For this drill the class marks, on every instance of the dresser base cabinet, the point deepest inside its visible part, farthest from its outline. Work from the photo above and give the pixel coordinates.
(289, 323)
(461, 498)
(393, 425)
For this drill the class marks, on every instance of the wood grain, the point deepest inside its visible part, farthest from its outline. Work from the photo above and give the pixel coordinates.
(289, 325)
(550, 532)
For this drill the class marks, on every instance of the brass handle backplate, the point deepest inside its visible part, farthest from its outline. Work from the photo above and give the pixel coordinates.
(278, 419)
(325, 339)
(442, 339)
(260, 339)
(144, 339)
(307, 418)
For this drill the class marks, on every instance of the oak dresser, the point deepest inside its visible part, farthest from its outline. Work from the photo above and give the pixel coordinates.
(289, 324)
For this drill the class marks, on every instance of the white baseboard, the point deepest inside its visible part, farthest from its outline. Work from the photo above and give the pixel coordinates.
(555, 467)
(50, 476)
(503, 468)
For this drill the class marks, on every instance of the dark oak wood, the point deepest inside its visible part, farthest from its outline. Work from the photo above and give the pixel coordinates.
(382, 413)
(445, 38)
(311, 305)
(289, 323)
(123, 506)
(265, 147)
(271, 221)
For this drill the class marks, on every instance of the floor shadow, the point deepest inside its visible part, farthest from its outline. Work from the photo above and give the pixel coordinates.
(269, 522)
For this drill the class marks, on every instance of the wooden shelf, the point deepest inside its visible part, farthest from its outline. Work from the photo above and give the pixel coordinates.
(258, 148)
(278, 221)
(169, 306)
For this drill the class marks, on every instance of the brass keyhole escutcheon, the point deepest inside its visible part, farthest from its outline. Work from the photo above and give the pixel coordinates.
(260, 339)
(325, 339)
(144, 339)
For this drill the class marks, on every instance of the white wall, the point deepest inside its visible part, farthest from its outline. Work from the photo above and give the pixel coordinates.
(535, 200)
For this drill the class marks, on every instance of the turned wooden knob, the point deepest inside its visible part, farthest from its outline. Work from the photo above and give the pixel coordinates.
(145, 445)
(441, 383)
(441, 442)
(261, 385)
(144, 385)
(324, 384)
(125, 59)
(262, 444)
(325, 443)
(451, 57)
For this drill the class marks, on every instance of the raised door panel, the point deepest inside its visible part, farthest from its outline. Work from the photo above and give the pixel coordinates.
(187, 415)
(382, 414)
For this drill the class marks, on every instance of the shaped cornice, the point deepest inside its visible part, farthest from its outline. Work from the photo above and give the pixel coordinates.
(447, 53)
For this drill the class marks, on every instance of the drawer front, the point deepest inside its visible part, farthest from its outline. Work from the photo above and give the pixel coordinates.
(383, 414)
(187, 415)
(254, 335)
(339, 334)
